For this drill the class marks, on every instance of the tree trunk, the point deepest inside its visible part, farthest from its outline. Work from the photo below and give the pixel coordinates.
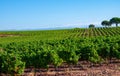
(116, 24)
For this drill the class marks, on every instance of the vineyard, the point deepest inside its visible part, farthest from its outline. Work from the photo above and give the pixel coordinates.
(18, 36)
(57, 48)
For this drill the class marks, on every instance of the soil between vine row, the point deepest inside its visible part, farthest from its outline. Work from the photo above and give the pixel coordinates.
(83, 68)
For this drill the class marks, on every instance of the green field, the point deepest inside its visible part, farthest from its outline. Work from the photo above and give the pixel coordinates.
(22, 49)
(18, 36)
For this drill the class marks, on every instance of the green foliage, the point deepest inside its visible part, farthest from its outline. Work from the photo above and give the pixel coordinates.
(40, 49)
(55, 59)
(105, 23)
(115, 20)
(94, 57)
(104, 50)
(91, 26)
(12, 64)
(114, 50)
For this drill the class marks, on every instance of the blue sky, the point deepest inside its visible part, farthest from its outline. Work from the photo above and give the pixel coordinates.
(39, 14)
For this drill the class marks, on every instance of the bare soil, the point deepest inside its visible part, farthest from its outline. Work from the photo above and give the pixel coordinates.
(83, 68)
(8, 35)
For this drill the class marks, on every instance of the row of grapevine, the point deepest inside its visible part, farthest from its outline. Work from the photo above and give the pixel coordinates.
(16, 56)
(94, 32)
(18, 36)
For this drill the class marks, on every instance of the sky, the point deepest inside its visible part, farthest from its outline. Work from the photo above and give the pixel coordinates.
(42, 14)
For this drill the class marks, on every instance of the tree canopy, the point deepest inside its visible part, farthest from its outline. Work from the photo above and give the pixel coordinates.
(91, 26)
(105, 23)
(115, 20)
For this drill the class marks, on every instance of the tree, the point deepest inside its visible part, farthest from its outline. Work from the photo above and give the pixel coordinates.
(115, 20)
(91, 26)
(105, 23)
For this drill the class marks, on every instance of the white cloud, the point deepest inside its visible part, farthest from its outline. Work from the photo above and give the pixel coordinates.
(82, 24)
